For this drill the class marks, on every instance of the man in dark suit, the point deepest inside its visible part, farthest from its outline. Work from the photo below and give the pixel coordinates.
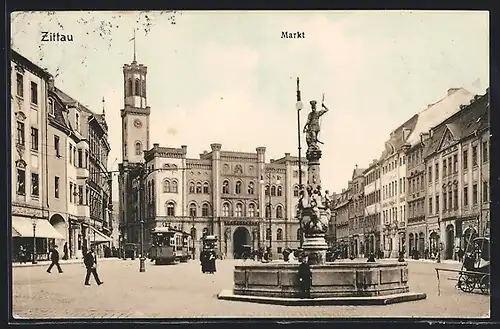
(90, 261)
(305, 277)
(54, 257)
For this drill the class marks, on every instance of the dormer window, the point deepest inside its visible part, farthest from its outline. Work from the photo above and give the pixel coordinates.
(77, 121)
(51, 107)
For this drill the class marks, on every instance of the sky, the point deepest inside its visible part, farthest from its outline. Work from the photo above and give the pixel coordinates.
(229, 77)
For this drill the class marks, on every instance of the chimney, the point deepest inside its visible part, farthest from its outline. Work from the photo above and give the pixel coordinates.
(51, 83)
(452, 90)
(156, 145)
(287, 154)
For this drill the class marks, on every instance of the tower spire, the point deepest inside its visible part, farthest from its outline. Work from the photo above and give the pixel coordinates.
(103, 109)
(134, 47)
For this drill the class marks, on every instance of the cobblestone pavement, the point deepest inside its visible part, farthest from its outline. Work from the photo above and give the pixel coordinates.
(183, 291)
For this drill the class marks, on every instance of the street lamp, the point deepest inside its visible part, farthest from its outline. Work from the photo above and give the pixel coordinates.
(33, 221)
(299, 106)
(193, 237)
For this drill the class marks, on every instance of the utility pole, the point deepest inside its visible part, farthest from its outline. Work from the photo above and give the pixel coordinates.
(299, 106)
(142, 208)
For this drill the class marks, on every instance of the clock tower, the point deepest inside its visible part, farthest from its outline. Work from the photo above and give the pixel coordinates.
(135, 114)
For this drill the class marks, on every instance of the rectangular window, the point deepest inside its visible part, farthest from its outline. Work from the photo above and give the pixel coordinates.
(437, 204)
(56, 187)
(429, 173)
(34, 93)
(51, 107)
(400, 185)
(34, 185)
(77, 120)
(34, 139)
(444, 168)
(450, 200)
(445, 202)
(56, 146)
(20, 85)
(437, 171)
(486, 195)
(485, 151)
(80, 158)
(455, 163)
(71, 192)
(21, 181)
(80, 194)
(455, 199)
(430, 205)
(465, 159)
(466, 196)
(474, 156)
(449, 166)
(474, 194)
(70, 154)
(20, 133)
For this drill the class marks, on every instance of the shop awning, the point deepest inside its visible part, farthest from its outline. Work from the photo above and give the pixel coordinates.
(23, 227)
(97, 237)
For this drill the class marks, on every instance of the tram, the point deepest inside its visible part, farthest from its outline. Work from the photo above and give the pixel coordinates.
(170, 246)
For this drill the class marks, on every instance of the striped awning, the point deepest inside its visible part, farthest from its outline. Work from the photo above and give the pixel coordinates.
(97, 237)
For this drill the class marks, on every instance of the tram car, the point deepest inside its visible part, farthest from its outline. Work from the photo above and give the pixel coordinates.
(169, 246)
(208, 254)
(476, 266)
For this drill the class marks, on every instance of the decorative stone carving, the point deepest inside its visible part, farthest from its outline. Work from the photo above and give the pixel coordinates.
(238, 169)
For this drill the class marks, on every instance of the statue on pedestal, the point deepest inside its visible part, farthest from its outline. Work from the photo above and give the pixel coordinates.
(312, 127)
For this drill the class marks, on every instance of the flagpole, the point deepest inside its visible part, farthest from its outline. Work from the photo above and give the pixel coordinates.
(299, 106)
(134, 46)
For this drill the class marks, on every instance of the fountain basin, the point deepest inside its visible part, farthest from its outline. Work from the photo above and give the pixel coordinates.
(332, 283)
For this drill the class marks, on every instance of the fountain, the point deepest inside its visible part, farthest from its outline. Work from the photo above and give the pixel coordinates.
(341, 283)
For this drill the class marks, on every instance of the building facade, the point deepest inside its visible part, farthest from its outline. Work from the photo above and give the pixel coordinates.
(221, 193)
(59, 172)
(420, 178)
(356, 213)
(342, 220)
(393, 166)
(457, 153)
(30, 225)
(372, 212)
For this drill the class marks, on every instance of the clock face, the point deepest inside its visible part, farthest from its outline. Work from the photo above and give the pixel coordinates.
(137, 123)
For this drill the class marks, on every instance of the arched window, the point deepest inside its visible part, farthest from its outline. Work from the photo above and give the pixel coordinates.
(279, 234)
(143, 88)
(153, 193)
(273, 190)
(149, 191)
(279, 212)
(268, 234)
(137, 87)
(299, 233)
(193, 233)
(191, 187)
(250, 188)
(174, 188)
(225, 187)
(192, 210)
(251, 210)
(138, 148)
(205, 188)
(267, 190)
(166, 186)
(170, 208)
(268, 211)
(238, 187)
(205, 210)
(296, 191)
(129, 89)
(239, 210)
(198, 188)
(280, 191)
(225, 210)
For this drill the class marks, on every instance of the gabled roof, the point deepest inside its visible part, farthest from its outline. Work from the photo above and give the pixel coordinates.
(436, 113)
(396, 140)
(471, 118)
(358, 172)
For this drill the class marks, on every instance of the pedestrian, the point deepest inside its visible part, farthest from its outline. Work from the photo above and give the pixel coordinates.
(22, 255)
(460, 254)
(65, 251)
(90, 262)
(305, 277)
(371, 258)
(54, 257)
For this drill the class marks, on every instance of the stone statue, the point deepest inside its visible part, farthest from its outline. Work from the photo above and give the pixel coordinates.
(312, 128)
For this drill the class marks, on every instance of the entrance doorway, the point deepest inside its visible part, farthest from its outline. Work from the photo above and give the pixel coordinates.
(242, 243)
(450, 241)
